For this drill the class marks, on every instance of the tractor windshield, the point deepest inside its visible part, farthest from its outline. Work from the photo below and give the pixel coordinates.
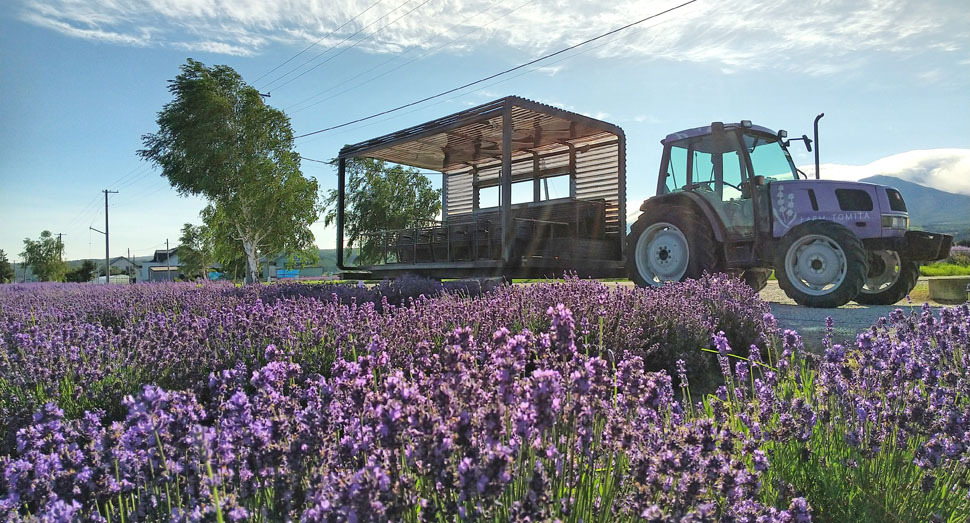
(769, 158)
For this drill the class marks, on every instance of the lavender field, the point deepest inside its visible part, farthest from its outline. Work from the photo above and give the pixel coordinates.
(416, 401)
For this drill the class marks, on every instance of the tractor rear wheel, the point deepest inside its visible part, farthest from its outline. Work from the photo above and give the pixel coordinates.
(821, 264)
(670, 243)
(891, 278)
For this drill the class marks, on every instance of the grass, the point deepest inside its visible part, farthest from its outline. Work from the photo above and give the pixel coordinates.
(944, 269)
(920, 293)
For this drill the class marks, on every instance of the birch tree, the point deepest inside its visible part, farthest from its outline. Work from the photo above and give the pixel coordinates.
(218, 139)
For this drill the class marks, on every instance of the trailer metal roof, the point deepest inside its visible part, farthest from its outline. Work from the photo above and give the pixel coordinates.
(474, 137)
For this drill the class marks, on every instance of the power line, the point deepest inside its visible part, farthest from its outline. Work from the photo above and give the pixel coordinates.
(337, 44)
(391, 59)
(142, 174)
(312, 160)
(142, 194)
(486, 86)
(487, 78)
(345, 49)
(126, 175)
(84, 210)
(307, 48)
(426, 173)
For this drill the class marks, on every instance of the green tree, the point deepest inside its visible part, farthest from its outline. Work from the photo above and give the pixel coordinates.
(44, 256)
(195, 250)
(82, 273)
(304, 258)
(218, 139)
(6, 268)
(381, 197)
(114, 270)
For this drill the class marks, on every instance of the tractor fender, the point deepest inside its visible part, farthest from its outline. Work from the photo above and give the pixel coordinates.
(689, 199)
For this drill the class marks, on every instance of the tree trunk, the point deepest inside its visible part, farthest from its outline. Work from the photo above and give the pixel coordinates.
(252, 263)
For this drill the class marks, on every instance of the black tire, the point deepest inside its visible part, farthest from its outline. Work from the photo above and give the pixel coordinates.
(701, 247)
(891, 291)
(757, 279)
(832, 258)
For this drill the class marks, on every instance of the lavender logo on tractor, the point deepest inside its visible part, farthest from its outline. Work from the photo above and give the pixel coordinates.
(785, 207)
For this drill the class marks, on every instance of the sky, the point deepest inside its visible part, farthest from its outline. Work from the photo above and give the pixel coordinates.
(81, 81)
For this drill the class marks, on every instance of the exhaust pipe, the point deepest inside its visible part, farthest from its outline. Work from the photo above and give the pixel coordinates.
(817, 118)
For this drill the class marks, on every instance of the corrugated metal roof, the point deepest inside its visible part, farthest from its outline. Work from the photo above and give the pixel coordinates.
(474, 137)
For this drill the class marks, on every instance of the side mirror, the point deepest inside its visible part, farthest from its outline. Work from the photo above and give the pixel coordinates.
(808, 142)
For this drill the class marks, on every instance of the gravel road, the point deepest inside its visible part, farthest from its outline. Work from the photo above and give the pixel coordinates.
(810, 323)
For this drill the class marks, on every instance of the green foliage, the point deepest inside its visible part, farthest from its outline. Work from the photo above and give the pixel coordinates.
(944, 269)
(195, 250)
(83, 273)
(115, 271)
(304, 258)
(381, 197)
(959, 255)
(44, 256)
(6, 268)
(219, 140)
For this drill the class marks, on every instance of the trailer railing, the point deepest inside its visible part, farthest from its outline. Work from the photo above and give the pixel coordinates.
(473, 238)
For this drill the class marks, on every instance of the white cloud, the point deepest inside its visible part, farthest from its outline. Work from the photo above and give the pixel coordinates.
(823, 38)
(141, 39)
(633, 209)
(943, 169)
(215, 47)
(550, 70)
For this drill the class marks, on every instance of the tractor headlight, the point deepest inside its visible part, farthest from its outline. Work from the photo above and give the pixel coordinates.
(895, 222)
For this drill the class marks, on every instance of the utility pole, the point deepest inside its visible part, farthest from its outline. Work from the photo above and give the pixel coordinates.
(168, 262)
(60, 247)
(107, 266)
(129, 264)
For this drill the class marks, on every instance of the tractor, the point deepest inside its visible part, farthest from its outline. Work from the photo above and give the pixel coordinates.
(730, 199)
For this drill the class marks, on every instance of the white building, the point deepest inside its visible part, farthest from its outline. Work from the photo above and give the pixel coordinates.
(164, 266)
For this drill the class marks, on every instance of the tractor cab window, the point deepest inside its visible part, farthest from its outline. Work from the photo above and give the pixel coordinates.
(717, 166)
(769, 158)
(676, 170)
(718, 173)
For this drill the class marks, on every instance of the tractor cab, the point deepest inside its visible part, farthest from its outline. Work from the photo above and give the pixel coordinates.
(728, 165)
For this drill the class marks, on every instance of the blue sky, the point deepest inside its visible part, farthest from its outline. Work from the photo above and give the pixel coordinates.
(82, 80)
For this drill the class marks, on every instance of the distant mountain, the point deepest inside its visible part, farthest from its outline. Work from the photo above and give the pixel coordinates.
(930, 209)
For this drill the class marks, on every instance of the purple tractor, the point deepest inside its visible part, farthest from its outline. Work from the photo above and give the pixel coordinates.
(730, 199)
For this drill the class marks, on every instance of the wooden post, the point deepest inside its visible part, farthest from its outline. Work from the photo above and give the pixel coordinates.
(506, 191)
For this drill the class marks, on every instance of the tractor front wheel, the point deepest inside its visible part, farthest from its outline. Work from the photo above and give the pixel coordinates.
(890, 279)
(670, 243)
(821, 264)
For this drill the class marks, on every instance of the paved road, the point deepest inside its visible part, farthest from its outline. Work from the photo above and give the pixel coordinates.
(810, 323)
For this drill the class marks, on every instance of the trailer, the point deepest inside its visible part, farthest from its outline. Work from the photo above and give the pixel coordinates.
(528, 190)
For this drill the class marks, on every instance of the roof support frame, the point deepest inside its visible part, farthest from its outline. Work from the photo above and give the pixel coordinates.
(506, 200)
